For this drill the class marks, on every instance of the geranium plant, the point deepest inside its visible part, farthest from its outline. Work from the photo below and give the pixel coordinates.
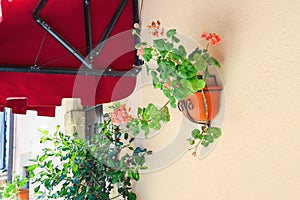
(147, 118)
(179, 74)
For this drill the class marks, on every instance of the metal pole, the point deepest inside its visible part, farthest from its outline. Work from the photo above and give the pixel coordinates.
(88, 29)
(110, 27)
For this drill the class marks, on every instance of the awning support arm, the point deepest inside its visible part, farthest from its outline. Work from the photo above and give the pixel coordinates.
(109, 28)
(87, 72)
(88, 29)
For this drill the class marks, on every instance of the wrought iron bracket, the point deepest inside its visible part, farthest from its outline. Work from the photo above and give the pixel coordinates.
(183, 106)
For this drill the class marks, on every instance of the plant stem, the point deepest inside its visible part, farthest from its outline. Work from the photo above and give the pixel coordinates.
(116, 196)
(95, 178)
(200, 141)
(165, 104)
(204, 127)
(205, 107)
(207, 46)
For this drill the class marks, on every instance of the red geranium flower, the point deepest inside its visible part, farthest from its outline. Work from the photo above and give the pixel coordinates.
(212, 38)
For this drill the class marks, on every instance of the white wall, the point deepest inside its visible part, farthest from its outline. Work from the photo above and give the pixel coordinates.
(27, 136)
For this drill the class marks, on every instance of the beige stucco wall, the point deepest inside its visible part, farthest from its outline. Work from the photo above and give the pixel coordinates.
(258, 155)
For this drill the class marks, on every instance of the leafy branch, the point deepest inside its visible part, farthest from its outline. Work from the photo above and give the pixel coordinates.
(88, 170)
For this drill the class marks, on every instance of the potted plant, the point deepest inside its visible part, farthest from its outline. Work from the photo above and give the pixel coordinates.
(15, 189)
(93, 169)
(182, 77)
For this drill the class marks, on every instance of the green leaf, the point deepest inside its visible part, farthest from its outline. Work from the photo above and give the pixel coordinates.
(175, 39)
(169, 46)
(165, 114)
(180, 51)
(195, 54)
(204, 143)
(131, 196)
(136, 176)
(156, 83)
(143, 167)
(21, 183)
(145, 127)
(167, 93)
(131, 140)
(147, 56)
(196, 133)
(45, 132)
(187, 70)
(75, 135)
(36, 189)
(126, 135)
(170, 33)
(200, 64)
(167, 67)
(153, 73)
(196, 84)
(215, 62)
(138, 150)
(159, 44)
(111, 163)
(155, 125)
(31, 174)
(179, 94)
(147, 68)
(118, 135)
(214, 131)
(192, 142)
(43, 158)
(138, 45)
(209, 138)
(116, 104)
(173, 102)
(119, 144)
(32, 167)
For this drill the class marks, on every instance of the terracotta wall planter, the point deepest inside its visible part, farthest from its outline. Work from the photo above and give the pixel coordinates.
(193, 106)
(23, 194)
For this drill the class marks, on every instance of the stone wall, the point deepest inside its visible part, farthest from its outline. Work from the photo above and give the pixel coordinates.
(74, 117)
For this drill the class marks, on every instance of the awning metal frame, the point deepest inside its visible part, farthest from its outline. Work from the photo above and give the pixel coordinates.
(89, 71)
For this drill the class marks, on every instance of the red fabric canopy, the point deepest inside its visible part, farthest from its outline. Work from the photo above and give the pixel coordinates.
(24, 43)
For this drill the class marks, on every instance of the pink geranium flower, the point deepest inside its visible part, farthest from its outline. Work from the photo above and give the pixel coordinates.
(140, 52)
(156, 29)
(120, 115)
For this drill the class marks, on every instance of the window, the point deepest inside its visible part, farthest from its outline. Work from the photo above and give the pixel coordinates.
(2, 141)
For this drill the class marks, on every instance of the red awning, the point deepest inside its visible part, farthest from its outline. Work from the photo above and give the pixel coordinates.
(39, 68)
